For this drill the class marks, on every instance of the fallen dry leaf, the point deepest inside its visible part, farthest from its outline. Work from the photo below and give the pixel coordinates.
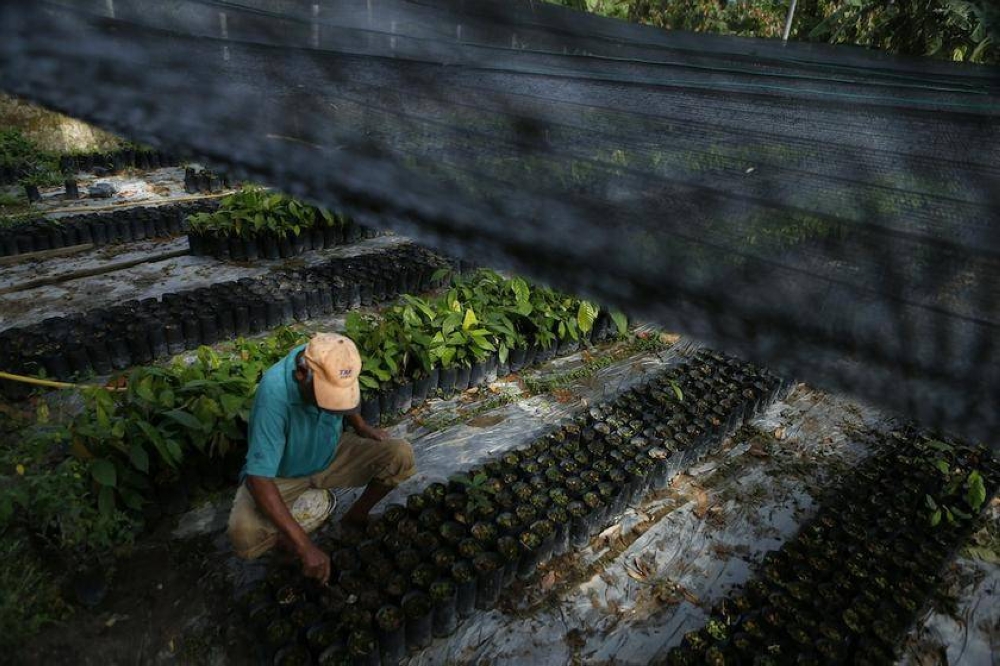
(610, 533)
(563, 396)
(117, 382)
(780, 433)
(635, 575)
(548, 580)
(757, 450)
(701, 501)
(640, 569)
(666, 593)
(680, 480)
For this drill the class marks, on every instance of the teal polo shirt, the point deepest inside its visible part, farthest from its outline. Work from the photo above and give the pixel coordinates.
(288, 438)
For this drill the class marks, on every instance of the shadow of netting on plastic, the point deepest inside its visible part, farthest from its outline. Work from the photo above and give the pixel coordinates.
(829, 211)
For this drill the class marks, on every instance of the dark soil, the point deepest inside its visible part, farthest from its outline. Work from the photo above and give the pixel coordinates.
(170, 602)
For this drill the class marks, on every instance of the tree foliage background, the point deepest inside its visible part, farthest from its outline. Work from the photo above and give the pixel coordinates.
(963, 30)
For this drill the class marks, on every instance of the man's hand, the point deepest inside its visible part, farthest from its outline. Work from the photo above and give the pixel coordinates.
(315, 563)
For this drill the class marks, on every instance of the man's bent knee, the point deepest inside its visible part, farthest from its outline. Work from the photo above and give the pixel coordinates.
(249, 538)
(401, 463)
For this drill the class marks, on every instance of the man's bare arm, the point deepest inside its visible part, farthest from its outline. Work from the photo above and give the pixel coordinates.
(315, 563)
(364, 430)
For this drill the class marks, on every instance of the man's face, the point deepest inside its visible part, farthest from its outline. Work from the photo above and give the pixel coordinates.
(306, 387)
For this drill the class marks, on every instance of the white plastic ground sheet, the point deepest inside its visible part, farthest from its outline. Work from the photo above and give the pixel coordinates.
(132, 187)
(146, 280)
(965, 629)
(698, 539)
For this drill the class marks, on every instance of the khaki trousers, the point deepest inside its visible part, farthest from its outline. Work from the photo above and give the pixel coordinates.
(358, 462)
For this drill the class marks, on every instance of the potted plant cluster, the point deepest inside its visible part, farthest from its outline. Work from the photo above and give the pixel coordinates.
(137, 332)
(454, 543)
(254, 223)
(99, 229)
(129, 156)
(483, 326)
(204, 181)
(848, 586)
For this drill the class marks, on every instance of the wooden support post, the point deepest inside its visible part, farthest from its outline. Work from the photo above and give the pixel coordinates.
(90, 272)
(45, 254)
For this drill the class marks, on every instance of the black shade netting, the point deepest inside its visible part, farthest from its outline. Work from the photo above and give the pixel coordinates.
(830, 211)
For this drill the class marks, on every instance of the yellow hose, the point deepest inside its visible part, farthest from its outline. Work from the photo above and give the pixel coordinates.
(51, 383)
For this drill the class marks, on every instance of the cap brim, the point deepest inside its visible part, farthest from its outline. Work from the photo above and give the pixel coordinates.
(339, 399)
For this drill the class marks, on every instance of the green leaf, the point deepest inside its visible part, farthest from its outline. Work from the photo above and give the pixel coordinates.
(186, 419)
(621, 321)
(983, 553)
(940, 446)
(586, 314)
(470, 320)
(104, 473)
(447, 356)
(484, 344)
(231, 404)
(521, 290)
(440, 274)
(931, 504)
(975, 493)
(961, 514)
(145, 389)
(175, 451)
(677, 390)
(106, 501)
(942, 466)
(139, 457)
(167, 398)
(160, 442)
(132, 499)
(936, 518)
